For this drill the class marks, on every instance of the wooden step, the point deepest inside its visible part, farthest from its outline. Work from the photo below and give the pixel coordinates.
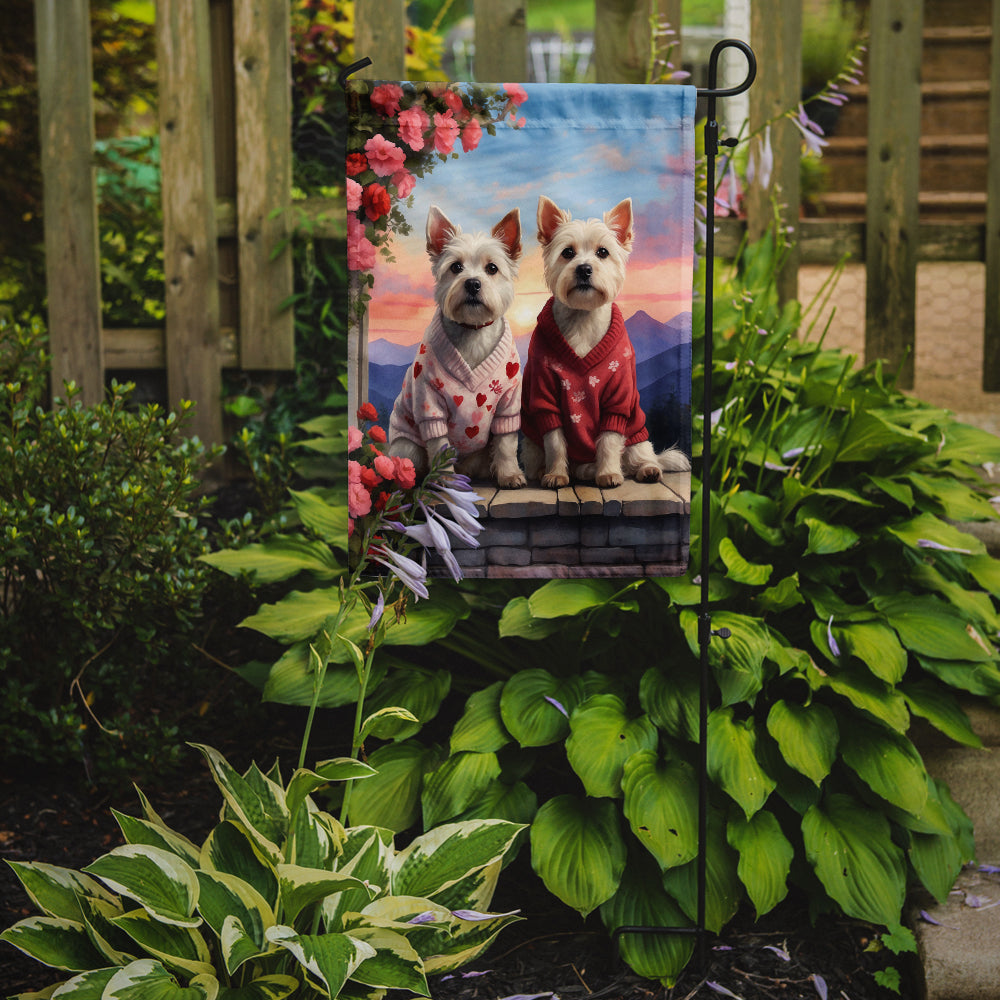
(956, 53)
(957, 206)
(945, 12)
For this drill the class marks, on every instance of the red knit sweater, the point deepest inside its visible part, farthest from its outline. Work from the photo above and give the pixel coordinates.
(584, 396)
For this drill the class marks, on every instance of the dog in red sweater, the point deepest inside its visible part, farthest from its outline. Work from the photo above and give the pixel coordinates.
(580, 408)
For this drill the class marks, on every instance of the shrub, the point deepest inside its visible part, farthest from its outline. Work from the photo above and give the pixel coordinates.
(99, 546)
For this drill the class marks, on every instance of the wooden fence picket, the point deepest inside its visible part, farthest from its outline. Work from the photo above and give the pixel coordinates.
(991, 331)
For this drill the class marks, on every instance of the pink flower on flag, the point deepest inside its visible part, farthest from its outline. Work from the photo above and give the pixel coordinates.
(413, 122)
(377, 202)
(385, 99)
(405, 474)
(353, 195)
(384, 466)
(360, 250)
(404, 183)
(471, 135)
(384, 157)
(354, 439)
(516, 94)
(359, 500)
(445, 132)
(454, 102)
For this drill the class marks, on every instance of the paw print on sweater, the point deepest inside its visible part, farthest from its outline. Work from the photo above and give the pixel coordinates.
(594, 381)
(613, 366)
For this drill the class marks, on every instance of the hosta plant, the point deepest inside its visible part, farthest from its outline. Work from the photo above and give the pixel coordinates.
(279, 900)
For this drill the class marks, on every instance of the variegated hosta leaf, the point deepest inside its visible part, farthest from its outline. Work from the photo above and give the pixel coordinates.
(141, 831)
(315, 838)
(395, 964)
(851, 849)
(225, 897)
(456, 784)
(256, 801)
(87, 986)
(158, 880)
(765, 858)
(275, 987)
(147, 979)
(807, 736)
(230, 849)
(56, 891)
(732, 760)
(301, 887)
(642, 902)
(304, 782)
(177, 947)
(367, 853)
(535, 706)
(99, 915)
(54, 941)
(329, 959)
(602, 738)
(441, 857)
(476, 890)
(888, 763)
(466, 941)
(578, 851)
(661, 805)
(481, 727)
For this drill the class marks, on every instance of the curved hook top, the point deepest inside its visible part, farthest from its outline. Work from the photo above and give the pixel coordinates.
(347, 71)
(713, 69)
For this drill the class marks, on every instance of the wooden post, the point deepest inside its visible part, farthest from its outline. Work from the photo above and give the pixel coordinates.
(261, 56)
(190, 253)
(991, 332)
(501, 37)
(380, 34)
(72, 255)
(622, 40)
(892, 215)
(776, 34)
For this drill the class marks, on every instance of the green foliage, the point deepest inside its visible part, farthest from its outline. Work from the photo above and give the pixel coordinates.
(280, 899)
(99, 546)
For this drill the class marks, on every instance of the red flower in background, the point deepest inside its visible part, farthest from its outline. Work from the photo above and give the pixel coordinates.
(376, 201)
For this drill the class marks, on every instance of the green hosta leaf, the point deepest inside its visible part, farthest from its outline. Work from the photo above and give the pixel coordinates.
(259, 805)
(941, 709)
(876, 646)
(671, 700)
(142, 831)
(180, 948)
(807, 736)
(931, 628)
(602, 738)
(425, 622)
(327, 520)
(481, 728)
(578, 851)
(456, 784)
(738, 661)
(765, 858)
(304, 782)
(391, 798)
(985, 570)
(976, 678)
(395, 964)
(732, 760)
(760, 512)
(418, 691)
(230, 849)
(975, 605)
(535, 706)
(850, 848)
(937, 859)
(559, 598)
(516, 803)
(965, 443)
(159, 881)
(87, 986)
(517, 620)
(274, 987)
(783, 595)
(387, 723)
(330, 959)
(56, 891)
(828, 539)
(661, 799)
(888, 763)
(870, 436)
(741, 571)
(438, 859)
(147, 979)
(301, 887)
(926, 528)
(956, 500)
(298, 616)
(723, 889)
(894, 489)
(226, 898)
(866, 692)
(641, 901)
(291, 680)
(54, 941)
(279, 558)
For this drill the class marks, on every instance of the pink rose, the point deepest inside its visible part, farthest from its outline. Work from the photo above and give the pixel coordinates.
(384, 466)
(360, 250)
(359, 500)
(385, 99)
(404, 183)
(354, 439)
(353, 195)
(413, 122)
(516, 94)
(456, 105)
(384, 157)
(471, 135)
(445, 132)
(405, 474)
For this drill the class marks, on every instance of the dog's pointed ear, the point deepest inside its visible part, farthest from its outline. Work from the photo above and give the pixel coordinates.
(439, 231)
(508, 232)
(619, 221)
(550, 218)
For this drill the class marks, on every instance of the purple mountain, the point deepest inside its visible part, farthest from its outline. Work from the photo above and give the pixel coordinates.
(651, 337)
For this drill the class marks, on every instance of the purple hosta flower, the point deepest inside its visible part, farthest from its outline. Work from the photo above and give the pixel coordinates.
(475, 915)
(427, 917)
(927, 918)
(780, 952)
(410, 573)
(531, 996)
(820, 983)
(989, 869)
(728, 199)
(460, 501)
(377, 612)
(719, 988)
(927, 543)
(834, 648)
(811, 132)
(558, 705)
(465, 975)
(760, 166)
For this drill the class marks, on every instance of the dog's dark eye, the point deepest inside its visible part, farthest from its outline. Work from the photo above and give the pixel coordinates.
(491, 268)
(602, 252)
(568, 254)
(456, 268)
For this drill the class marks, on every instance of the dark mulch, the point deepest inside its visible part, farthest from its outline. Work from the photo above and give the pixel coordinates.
(551, 951)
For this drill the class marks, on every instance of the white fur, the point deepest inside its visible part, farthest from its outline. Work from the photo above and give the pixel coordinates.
(584, 265)
(474, 286)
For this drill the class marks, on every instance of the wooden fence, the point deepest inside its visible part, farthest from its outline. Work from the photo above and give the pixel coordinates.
(226, 160)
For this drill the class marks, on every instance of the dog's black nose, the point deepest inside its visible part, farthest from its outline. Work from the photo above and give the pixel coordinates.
(584, 272)
(473, 286)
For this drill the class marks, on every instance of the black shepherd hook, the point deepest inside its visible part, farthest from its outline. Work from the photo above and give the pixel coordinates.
(349, 71)
(705, 630)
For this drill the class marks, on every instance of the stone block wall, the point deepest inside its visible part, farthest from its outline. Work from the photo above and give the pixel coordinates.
(636, 529)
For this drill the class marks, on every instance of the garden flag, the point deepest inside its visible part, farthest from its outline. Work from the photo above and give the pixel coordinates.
(522, 270)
